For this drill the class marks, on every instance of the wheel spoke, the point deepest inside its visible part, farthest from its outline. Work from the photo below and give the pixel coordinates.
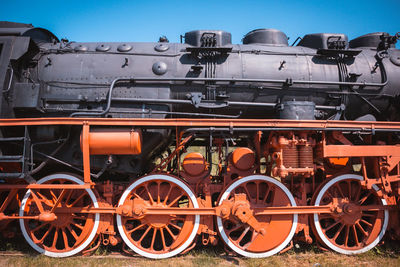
(53, 196)
(248, 193)
(355, 235)
(64, 234)
(153, 238)
(346, 237)
(257, 192)
(79, 217)
(37, 201)
(72, 231)
(361, 229)
(68, 198)
(324, 216)
(368, 215)
(136, 228)
(174, 237)
(39, 227)
(357, 197)
(175, 226)
(338, 232)
(365, 222)
(339, 190)
(361, 201)
(76, 200)
(149, 194)
(158, 192)
(163, 239)
(167, 196)
(43, 199)
(144, 234)
(331, 226)
(329, 194)
(266, 194)
(58, 200)
(137, 196)
(78, 225)
(349, 188)
(45, 235)
(55, 238)
(242, 235)
(176, 199)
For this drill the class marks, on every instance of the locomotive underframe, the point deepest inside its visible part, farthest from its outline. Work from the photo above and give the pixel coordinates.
(379, 171)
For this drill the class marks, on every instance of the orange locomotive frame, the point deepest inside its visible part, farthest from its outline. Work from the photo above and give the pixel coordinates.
(387, 155)
(330, 151)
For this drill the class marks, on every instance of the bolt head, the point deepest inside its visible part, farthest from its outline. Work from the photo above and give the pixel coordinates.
(224, 211)
(125, 211)
(137, 211)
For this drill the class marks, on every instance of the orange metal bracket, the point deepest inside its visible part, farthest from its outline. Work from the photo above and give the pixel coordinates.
(8, 200)
(335, 151)
(86, 152)
(44, 186)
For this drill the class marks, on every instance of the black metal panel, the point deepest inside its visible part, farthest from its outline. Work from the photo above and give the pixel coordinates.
(324, 40)
(208, 38)
(266, 36)
(25, 96)
(371, 40)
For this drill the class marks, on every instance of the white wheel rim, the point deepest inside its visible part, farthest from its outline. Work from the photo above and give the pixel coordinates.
(319, 228)
(192, 234)
(292, 230)
(77, 249)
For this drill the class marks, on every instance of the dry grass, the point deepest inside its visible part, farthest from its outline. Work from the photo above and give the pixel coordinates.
(387, 255)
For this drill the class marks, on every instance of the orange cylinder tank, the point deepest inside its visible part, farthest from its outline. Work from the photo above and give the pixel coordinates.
(243, 158)
(114, 142)
(194, 163)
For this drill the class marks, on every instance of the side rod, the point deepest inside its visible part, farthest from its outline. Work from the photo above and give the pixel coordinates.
(216, 211)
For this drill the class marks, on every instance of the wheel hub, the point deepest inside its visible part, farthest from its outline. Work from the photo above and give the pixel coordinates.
(63, 220)
(158, 221)
(351, 214)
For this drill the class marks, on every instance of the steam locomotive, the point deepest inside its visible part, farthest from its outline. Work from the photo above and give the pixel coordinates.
(270, 122)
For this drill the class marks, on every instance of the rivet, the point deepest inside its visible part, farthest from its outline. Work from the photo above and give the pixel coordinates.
(124, 48)
(81, 48)
(103, 48)
(160, 68)
(161, 47)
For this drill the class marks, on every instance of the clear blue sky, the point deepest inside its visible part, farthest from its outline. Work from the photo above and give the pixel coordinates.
(146, 20)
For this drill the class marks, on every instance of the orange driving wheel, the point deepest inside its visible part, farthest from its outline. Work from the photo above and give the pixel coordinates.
(351, 228)
(51, 229)
(278, 230)
(158, 236)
